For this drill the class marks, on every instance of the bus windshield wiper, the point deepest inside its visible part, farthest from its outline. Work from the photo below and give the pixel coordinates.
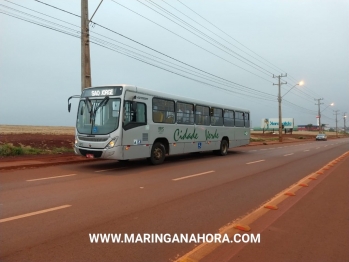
(101, 104)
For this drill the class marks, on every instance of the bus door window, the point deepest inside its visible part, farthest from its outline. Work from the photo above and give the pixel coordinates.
(137, 115)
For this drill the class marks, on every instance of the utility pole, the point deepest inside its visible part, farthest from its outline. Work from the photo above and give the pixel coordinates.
(345, 127)
(86, 80)
(319, 112)
(279, 100)
(336, 113)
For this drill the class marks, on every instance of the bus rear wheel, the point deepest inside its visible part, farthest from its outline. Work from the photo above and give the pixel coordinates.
(223, 150)
(157, 154)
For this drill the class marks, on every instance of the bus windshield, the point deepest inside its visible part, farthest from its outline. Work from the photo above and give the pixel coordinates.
(98, 116)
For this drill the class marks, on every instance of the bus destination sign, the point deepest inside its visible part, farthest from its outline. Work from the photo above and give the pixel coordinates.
(102, 91)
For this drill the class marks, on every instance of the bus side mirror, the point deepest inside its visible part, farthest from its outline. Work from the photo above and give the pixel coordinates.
(69, 106)
(211, 111)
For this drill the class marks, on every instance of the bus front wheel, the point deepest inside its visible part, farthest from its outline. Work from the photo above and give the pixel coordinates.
(157, 155)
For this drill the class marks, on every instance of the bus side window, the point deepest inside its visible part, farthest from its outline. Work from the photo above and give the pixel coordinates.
(163, 111)
(247, 119)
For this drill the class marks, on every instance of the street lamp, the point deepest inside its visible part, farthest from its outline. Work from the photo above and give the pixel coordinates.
(299, 84)
(280, 99)
(320, 128)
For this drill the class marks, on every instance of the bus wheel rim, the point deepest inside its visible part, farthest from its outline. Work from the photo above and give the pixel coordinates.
(157, 153)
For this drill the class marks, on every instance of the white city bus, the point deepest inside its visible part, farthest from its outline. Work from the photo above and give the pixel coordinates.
(127, 122)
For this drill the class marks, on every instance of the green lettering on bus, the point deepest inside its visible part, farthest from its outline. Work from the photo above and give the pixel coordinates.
(178, 135)
(211, 136)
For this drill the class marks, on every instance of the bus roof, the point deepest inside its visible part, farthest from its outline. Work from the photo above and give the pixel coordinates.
(151, 92)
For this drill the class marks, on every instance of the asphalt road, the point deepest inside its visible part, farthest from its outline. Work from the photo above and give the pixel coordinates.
(196, 193)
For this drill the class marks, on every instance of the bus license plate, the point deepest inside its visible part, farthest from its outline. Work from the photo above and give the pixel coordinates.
(90, 156)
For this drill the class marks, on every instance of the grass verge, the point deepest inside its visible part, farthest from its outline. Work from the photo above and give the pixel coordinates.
(11, 150)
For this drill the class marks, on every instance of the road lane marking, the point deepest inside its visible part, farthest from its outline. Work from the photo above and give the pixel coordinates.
(306, 150)
(264, 149)
(272, 148)
(254, 162)
(253, 150)
(52, 177)
(317, 148)
(200, 174)
(98, 171)
(33, 213)
(326, 146)
(289, 154)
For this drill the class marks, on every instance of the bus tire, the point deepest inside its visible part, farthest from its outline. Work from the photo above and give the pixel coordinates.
(223, 150)
(157, 154)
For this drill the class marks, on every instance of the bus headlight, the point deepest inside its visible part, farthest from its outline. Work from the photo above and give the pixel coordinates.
(112, 143)
(76, 140)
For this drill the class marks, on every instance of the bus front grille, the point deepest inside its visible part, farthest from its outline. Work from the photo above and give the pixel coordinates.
(93, 139)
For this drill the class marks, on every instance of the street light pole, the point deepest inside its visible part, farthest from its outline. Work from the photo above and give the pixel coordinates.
(319, 113)
(344, 118)
(336, 113)
(279, 100)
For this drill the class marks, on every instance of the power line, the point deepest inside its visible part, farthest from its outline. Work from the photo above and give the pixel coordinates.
(191, 42)
(202, 33)
(228, 35)
(77, 35)
(216, 34)
(110, 30)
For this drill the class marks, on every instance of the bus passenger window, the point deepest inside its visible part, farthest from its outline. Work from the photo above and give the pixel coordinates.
(184, 113)
(163, 111)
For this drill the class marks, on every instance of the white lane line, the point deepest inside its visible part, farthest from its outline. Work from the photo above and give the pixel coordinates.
(306, 150)
(254, 162)
(253, 150)
(325, 146)
(110, 169)
(200, 174)
(33, 213)
(264, 149)
(289, 154)
(52, 177)
(280, 147)
(317, 148)
(272, 148)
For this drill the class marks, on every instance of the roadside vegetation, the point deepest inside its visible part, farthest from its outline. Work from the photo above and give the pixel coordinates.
(10, 150)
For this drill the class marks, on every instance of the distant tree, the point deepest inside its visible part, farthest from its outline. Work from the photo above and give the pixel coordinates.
(309, 126)
(331, 129)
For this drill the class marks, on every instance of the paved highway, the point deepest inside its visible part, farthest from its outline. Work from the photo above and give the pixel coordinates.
(48, 213)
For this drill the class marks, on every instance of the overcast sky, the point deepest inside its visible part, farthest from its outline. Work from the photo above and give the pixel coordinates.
(243, 42)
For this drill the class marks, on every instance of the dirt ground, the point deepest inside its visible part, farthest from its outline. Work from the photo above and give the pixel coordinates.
(38, 140)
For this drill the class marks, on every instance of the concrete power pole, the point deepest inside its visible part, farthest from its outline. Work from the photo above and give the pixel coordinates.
(336, 113)
(86, 80)
(319, 112)
(344, 118)
(279, 100)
